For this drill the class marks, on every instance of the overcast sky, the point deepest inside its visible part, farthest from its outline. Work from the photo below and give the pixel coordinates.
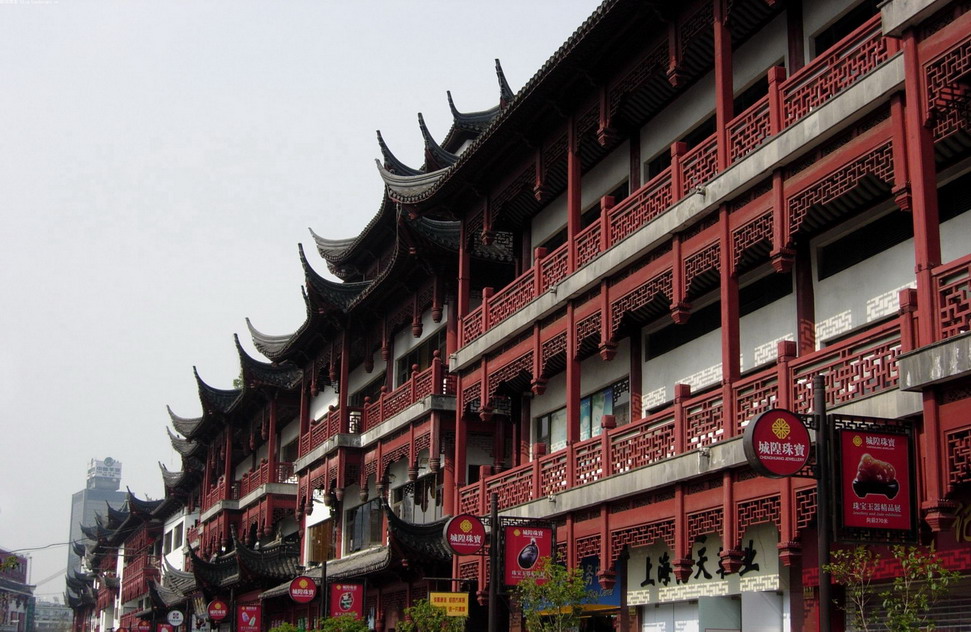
(159, 164)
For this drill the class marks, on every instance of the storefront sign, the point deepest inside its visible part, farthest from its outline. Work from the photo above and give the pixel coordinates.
(874, 478)
(347, 599)
(599, 598)
(455, 604)
(217, 610)
(303, 589)
(777, 443)
(525, 546)
(143, 626)
(175, 617)
(464, 534)
(248, 618)
(165, 627)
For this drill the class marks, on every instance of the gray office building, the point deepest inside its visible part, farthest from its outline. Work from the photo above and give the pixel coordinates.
(101, 490)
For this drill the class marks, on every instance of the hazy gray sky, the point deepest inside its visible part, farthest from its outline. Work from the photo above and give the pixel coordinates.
(159, 163)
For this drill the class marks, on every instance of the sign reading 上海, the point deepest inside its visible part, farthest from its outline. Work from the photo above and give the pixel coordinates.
(524, 548)
(347, 599)
(217, 610)
(777, 443)
(874, 479)
(303, 589)
(464, 534)
(455, 604)
(248, 618)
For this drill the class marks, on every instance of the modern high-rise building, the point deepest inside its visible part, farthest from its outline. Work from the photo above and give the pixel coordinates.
(100, 491)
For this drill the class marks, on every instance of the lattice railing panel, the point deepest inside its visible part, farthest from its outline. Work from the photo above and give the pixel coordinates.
(700, 165)
(588, 546)
(645, 204)
(755, 396)
(553, 268)
(512, 488)
(749, 234)
(473, 325)
(511, 298)
(805, 508)
(953, 283)
(835, 70)
(703, 421)
(552, 474)
(588, 244)
(853, 369)
(469, 500)
(659, 285)
(641, 445)
(589, 461)
(748, 130)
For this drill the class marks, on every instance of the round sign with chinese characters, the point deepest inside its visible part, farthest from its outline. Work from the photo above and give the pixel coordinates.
(217, 610)
(143, 626)
(777, 443)
(175, 618)
(303, 589)
(464, 534)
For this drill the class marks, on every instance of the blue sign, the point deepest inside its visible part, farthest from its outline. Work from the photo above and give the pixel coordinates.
(599, 596)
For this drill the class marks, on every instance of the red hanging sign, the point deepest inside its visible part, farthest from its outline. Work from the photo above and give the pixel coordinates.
(217, 610)
(248, 618)
(525, 546)
(465, 534)
(143, 626)
(875, 479)
(347, 599)
(777, 443)
(303, 589)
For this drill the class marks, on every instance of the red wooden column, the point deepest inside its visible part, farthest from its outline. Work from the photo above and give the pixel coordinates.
(461, 437)
(796, 46)
(573, 175)
(452, 340)
(730, 330)
(938, 512)
(345, 373)
(724, 88)
(805, 301)
(572, 391)
(272, 441)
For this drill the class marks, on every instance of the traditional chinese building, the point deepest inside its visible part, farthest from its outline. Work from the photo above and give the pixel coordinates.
(580, 300)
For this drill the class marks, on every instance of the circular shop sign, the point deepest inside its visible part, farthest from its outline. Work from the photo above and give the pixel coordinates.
(143, 626)
(303, 589)
(464, 534)
(777, 443)
(175, 618)
(217, 610)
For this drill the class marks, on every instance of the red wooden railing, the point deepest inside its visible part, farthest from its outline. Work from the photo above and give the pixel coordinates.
(952, 289)
(262, 475)
(860, 366)
(221, 491)
(788, 101)
(432, 381)
(134, 581)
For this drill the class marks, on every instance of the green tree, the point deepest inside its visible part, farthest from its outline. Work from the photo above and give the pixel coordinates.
(906, 602)
(552, 601)
(343, 623)
(424, 617)
(285, 627)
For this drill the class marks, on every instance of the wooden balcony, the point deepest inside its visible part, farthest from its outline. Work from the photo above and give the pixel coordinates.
(789, 101)
(136, 574)
(221, 491)
(860, 366)
(264, 475)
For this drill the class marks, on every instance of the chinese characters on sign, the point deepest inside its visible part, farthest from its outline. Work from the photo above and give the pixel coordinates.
(248, 618)
(303, 589)
(347, 599)
(525, 546)
(875, 479)
(455, 604)
(777, 444)
(465, 534)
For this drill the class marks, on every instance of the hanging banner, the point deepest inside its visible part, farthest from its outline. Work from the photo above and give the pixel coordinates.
(249, 618)
(599, 598)
(776, 443)
(524, 547)
(875, 474)
(347, 599)
(454, 604)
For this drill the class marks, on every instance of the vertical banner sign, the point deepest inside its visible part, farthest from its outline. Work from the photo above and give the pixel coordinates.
(525, 546)
(248, 618)
(347, 599)
(875, 480)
